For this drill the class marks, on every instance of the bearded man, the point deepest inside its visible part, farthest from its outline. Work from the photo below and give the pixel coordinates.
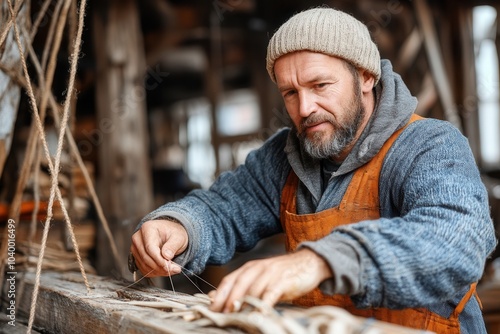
(384, 212)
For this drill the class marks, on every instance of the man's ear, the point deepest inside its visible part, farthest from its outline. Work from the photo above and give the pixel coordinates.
(367, 81)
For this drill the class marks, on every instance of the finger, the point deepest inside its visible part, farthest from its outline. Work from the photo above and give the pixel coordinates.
(219, 297)
(143, 261)
(259, 286)
(168, 251)
(175, 243)
(272, 295)
(258, 280)
(211, 294)
(152, 246)
(172, 268)
(242, 283)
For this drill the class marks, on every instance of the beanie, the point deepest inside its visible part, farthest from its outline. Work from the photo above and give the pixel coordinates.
(328, 31)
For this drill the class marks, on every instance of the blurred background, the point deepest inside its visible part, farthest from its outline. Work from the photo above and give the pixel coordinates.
(169, 94)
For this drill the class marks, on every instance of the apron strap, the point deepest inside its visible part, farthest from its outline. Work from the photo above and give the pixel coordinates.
(461, 305)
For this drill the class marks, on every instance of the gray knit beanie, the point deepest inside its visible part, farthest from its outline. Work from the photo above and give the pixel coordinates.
(327, 31)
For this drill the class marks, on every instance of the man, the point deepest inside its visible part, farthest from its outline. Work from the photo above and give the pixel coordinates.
(384, 212)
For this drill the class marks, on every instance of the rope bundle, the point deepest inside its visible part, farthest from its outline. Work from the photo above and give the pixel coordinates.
(255, 316)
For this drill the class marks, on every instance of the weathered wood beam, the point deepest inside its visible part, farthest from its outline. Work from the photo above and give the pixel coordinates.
(214, 84)
(436, 62)
(409, 51)
(427, 97)
(463, 24)
(125, 185)
(64, 306)
(19, 328)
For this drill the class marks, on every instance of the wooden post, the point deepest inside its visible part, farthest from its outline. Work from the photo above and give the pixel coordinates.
(124, 176)
(463, 23)
(214, 83)
(436, 62)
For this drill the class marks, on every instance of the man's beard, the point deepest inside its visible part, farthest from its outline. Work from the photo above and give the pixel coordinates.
(318, 145)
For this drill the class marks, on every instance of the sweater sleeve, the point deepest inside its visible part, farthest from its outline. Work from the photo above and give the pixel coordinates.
(435, 232)
(239, 209)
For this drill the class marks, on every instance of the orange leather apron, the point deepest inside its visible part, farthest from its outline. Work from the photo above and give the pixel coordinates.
(360, 202)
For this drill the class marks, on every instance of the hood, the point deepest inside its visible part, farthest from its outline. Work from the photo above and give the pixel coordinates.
(394, 106)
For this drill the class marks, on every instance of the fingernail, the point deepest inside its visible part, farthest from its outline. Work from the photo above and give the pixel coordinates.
(171, 269)
(237, 306)
(168, 254)
(175, 269)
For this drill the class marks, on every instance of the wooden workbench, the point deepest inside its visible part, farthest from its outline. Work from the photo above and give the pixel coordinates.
(65, 306)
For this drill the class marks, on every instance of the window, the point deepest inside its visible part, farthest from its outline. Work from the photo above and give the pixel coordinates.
(487, 78)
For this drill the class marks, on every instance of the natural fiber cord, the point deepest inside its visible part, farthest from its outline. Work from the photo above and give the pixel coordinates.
(54, 168)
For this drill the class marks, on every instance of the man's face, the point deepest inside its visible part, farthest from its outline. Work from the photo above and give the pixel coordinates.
(323, 98)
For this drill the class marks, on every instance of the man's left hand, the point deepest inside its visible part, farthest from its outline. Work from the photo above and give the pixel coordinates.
(280, 278)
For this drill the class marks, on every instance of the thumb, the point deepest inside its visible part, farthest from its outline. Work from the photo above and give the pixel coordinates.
(167, 251)
(174, 246)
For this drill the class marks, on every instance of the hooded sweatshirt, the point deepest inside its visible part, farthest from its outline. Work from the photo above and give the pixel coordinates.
(429, 245)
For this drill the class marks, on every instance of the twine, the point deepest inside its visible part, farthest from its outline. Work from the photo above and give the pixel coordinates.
(76, 154)
(3, 37)
(53, 59)
(53, 32)
(39, 17)
(74, 150)
(54, 168)
(37, 126)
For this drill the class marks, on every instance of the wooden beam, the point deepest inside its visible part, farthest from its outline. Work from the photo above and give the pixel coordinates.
(214, 84)
(463, 24)
(19, 328)
(427, 96)
(124, 178)
(408, 51)
(64, 306)
(436, 62)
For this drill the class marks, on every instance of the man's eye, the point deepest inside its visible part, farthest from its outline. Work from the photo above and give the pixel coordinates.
(322, 85)
(289, 93)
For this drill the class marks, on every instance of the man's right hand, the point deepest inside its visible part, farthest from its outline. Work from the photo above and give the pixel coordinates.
(155, 244)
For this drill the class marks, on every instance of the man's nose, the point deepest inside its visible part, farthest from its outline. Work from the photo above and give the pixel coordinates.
(307, 104)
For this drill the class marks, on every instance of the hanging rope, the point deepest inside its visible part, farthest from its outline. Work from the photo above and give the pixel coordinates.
(39, 17)
(22, 176)
(72, 145)
(37, 126)
(32, 138)
(54, 168)
(76, 154)
(6, 30)
(54, 34)
(25, 169)
(74, 150)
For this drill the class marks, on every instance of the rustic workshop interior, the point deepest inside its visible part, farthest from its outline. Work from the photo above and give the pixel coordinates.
(168, 94)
